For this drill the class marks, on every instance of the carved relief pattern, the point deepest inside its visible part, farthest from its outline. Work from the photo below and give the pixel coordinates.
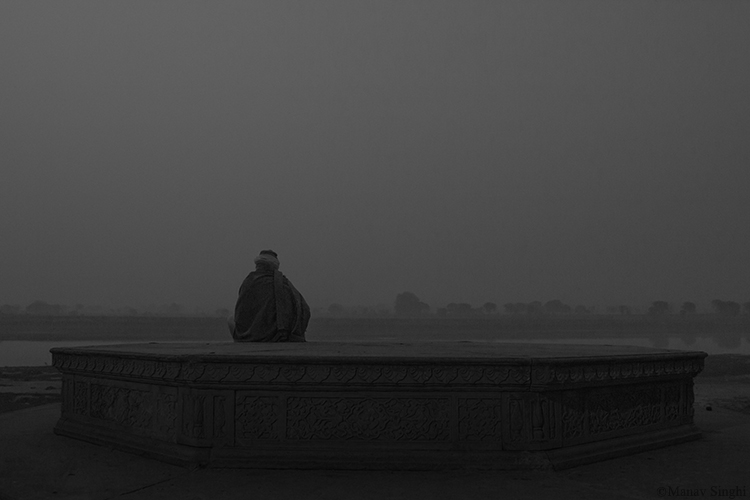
(144, 368)
(480, 419)
(193, 415)
(690, 400)
(394, 374)
(611, 411)
(368, 374)
(67, 395)
(342, 374)
(672, 410)
(573, 416)
(543, 418)
(388, 419)
(239, 373)
(292, 373)
(192, 371)
(127, 407)
(256, 417)
(81, 397)
(265, 373)
(532, 419)
(215, 372)
(220, 417)
(166, 413)
(316, 374)
(517, 420)
(312, 374)
(561, 374)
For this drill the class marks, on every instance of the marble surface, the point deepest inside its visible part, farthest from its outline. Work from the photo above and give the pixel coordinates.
(439, 350)
(378, 405)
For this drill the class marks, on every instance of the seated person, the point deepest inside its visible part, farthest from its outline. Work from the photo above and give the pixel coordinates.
(269, 308)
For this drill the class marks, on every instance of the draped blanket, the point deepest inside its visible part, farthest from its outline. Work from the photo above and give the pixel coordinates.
(270, 309)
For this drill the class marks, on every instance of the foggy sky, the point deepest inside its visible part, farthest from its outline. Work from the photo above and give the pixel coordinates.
(594, 152)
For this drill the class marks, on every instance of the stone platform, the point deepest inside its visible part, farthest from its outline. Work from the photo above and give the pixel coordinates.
(357, 405)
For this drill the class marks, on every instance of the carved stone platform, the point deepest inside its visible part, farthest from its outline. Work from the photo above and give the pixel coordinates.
(378, 405)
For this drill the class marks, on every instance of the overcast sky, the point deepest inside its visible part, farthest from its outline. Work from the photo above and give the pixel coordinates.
(596, 152)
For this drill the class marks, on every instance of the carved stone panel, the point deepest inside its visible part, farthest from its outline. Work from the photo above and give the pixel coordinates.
(673, 402)
(480, 419)
(533, 422)
(368, 419)
(124, 406)
(194, 415)
(689, 401)
(80, 397)
(67, 392)
(601, 413)
(223, 418)
(610, 411)
(573, 416)
(166, 415)
(256, 418)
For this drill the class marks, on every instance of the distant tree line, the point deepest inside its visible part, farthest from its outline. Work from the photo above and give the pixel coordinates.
(42, 308)
(406, 304)
(720, 307)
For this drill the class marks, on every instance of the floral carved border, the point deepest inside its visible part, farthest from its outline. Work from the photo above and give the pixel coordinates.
(298, 374)
(580, 372)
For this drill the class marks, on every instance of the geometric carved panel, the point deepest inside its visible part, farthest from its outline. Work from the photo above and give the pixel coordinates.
(80, 398)
(480, 419)
(610, 411)
(194, 415)
(166, 414)
(379, 419)
(255, 418)
(124, 406)
(532, 421)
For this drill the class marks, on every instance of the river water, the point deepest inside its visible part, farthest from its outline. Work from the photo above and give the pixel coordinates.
(36, 353)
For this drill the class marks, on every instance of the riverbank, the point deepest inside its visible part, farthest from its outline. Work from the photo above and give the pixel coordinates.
(28, 386)
(155, 328)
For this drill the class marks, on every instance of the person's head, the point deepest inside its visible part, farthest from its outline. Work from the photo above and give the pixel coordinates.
(267, 259)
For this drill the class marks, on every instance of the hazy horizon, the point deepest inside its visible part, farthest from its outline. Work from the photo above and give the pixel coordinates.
(591, 152)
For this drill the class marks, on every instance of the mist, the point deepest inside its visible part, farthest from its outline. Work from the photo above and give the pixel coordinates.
(592, 152)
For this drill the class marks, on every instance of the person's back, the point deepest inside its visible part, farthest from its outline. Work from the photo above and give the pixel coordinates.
(269, 308)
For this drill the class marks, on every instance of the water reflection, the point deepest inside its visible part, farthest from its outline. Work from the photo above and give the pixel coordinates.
(729, 341)
(723, 343)
(36, 353)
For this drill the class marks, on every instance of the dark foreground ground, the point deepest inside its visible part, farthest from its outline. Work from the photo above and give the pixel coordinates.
(36, 464)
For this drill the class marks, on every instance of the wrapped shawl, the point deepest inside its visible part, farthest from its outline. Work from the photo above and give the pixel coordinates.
(270, 309)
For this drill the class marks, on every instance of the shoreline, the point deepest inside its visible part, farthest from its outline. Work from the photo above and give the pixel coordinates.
(157, 328)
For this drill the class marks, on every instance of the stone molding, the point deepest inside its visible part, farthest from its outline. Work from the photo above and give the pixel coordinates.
(545, 372)
(569, 372)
